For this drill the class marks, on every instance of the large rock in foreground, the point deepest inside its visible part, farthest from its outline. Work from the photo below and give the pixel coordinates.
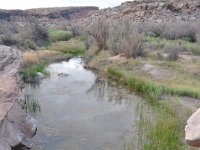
(192, 130)
(15, 125)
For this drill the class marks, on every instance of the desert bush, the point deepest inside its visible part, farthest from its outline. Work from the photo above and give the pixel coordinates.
(8, 31)
(171, 30)
(39, 34)
(75, 29)
(99, 31)
(173, 51)
(27, 44)
(23, 37)
(150, 28)
(9, 40)
(123, 40)
(88, 42)
(6, 26)
(179, 30)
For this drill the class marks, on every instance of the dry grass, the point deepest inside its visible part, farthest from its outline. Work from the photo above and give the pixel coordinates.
(35, 57)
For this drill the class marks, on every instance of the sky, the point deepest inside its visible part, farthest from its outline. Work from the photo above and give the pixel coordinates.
(26, 4)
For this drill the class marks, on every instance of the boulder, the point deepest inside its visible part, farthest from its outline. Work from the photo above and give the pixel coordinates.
(127, 11)
(15, 125)
(192, 130)
(152, 6)
(40, 75)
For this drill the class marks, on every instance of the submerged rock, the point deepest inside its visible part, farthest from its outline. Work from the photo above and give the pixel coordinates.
(63, 74)
(192, 130)
(15, 125)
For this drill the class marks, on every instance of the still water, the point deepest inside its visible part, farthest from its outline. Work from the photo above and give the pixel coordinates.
(81, 111)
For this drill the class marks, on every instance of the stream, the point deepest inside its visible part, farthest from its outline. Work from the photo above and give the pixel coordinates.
(81, 111)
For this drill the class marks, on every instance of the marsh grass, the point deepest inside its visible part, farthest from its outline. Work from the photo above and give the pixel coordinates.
(29, 74)
(149, 88)
(59, 35)
(31, 105)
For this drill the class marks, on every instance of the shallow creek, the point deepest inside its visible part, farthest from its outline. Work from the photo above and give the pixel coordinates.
(81, 111)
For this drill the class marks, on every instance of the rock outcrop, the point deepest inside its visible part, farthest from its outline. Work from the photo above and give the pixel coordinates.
(15, 125)
(153, 10)
(192, 130)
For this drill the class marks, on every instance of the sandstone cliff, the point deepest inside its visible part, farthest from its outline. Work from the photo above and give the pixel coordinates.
(15, 125)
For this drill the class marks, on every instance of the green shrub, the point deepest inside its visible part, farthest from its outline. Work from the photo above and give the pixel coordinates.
(27, 44)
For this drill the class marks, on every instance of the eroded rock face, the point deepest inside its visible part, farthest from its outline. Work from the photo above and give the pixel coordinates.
(192, 130)
(15, 125)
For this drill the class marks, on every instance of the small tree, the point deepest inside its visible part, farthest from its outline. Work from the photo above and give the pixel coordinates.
(99, 31)
(75, 29)
(38, 32)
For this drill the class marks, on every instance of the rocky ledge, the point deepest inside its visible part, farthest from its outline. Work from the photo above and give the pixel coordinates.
(15, 125)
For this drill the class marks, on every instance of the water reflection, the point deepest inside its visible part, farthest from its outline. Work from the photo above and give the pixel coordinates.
(98, 89)
(81, 111)
(104, 89)
(33, 85)
(30, 104)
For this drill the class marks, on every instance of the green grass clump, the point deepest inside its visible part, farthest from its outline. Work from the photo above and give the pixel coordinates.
(164, 135)
(31, 105)
(162, 131)
(59, 35)
(29, 74)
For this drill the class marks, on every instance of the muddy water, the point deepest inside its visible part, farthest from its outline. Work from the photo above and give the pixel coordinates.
(80, 111)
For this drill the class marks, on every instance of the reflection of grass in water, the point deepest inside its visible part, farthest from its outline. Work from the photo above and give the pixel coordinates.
(31, 105)
(159, 127)
(143, 125)
(98, 89)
